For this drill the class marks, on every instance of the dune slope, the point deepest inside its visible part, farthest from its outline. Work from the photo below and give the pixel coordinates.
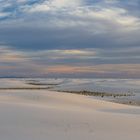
(40, 115)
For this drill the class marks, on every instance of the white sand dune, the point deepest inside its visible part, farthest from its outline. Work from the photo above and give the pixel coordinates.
(46, 115)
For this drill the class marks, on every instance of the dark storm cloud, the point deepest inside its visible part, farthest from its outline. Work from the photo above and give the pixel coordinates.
(34, 38)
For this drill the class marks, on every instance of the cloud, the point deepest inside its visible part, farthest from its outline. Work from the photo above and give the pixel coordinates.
(82, 36)
(81, 24)
(93, 62)
(9, 55)
(53, 5)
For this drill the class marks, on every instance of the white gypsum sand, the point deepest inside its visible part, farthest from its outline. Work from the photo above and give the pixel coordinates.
(48, 115)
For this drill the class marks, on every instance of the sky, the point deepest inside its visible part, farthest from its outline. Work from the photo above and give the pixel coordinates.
(70, 38)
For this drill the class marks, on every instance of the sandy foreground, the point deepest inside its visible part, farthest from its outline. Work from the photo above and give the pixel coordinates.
(48, 115)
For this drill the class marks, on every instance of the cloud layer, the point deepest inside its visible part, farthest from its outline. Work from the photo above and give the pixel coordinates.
(70, 37)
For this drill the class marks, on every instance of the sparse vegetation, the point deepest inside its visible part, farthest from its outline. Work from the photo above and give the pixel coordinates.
(41, 84)
(101, 94)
